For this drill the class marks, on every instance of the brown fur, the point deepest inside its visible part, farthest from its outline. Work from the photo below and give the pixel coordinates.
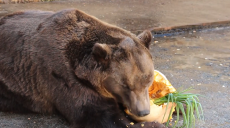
(73, 64)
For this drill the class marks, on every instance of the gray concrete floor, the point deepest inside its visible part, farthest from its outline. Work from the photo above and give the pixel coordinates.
(136, 15)
(200, 60)
(197, 59)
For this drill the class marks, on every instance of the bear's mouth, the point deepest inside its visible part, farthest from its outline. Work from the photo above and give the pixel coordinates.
(125, 109)
(129, 111)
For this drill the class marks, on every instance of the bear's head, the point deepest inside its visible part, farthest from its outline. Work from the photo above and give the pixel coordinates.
(122, 71)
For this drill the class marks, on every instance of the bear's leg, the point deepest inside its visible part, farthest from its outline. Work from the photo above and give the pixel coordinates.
(7, 105)
(7, 102)
(100, 114)
(83, 107)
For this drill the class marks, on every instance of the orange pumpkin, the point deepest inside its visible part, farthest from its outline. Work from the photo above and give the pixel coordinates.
(160, 87)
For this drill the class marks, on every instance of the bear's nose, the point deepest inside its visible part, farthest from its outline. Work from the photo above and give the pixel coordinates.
(143, 113)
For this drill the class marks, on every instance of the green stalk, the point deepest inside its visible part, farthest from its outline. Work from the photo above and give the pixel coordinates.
(178, 116)
(180, 98)
(169, 95)
(181, 107)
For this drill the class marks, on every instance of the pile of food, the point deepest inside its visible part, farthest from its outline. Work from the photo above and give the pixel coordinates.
(165, 99)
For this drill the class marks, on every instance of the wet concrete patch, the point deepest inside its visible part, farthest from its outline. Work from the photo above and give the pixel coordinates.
(177, 30)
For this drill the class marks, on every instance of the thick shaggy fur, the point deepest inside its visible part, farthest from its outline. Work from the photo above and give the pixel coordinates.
(56, 63)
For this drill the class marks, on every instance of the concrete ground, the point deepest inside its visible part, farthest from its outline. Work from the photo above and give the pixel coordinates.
(136, 15)
(200, 60)
(197, 59)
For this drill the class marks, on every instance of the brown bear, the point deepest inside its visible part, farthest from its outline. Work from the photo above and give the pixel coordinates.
(75, 65)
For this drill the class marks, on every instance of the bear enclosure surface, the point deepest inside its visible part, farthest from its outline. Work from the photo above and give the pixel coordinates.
(200, 60)
(197, 59)
(136, 15)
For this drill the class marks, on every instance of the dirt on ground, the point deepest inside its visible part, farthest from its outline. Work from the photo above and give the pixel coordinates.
(195, 59)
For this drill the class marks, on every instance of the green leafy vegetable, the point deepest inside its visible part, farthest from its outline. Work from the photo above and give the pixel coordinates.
(180, 98)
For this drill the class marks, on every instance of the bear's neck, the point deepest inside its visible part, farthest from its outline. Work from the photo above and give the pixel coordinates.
(93, 74)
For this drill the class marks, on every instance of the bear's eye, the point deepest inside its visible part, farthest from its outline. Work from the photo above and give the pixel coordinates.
(126, 86)
(147, 79)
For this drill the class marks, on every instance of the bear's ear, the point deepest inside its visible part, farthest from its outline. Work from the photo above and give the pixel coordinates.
(145, 38)
(101, 51)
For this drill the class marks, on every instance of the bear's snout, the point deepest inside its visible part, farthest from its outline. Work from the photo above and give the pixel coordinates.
(143, 113)
(142, 108)
(140, 105)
